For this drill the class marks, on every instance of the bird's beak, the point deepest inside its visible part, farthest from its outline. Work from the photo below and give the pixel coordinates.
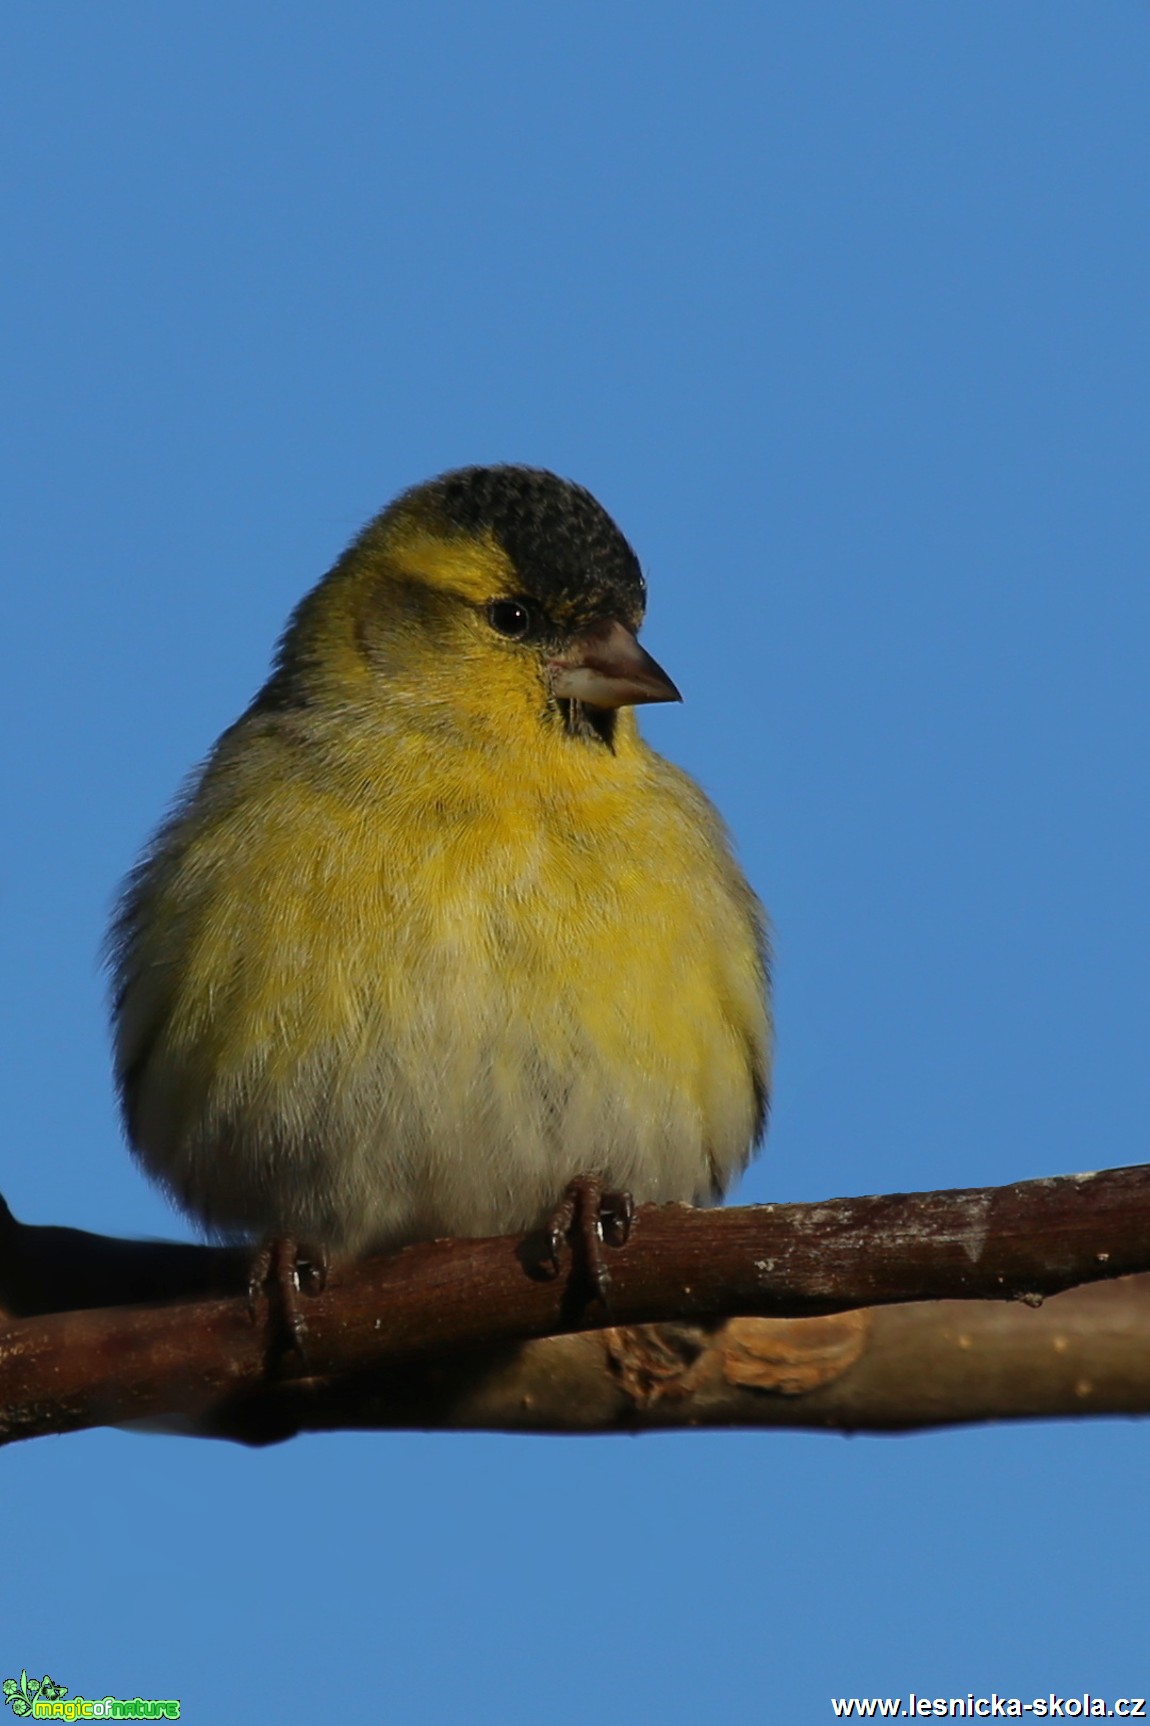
(606, 667)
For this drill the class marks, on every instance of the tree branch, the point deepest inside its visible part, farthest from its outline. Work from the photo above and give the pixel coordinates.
(430, 1336)
(886, 1369)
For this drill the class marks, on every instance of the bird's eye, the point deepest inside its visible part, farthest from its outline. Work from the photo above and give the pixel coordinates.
(509, 617)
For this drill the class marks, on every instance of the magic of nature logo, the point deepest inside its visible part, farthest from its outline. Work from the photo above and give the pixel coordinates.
(44, 1699)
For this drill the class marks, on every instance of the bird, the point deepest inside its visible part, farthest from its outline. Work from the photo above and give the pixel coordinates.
(434, 944)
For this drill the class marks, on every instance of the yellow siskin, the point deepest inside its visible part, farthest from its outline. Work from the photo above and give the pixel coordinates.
(434, 931)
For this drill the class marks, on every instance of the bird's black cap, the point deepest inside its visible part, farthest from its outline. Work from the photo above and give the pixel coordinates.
(567, 551)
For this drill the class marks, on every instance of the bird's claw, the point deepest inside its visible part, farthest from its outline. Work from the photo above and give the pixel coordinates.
(592, 1216)
(281, 1270)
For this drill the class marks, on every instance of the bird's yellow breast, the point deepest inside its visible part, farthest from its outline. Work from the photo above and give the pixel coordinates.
(437, 983)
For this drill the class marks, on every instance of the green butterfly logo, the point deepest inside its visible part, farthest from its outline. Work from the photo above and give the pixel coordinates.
(20, 1696)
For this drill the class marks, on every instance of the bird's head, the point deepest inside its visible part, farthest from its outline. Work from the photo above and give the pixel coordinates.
(497, 598)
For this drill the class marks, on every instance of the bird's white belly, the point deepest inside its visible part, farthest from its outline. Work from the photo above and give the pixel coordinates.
(464, 1119)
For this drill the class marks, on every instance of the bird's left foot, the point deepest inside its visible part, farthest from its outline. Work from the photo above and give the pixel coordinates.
(283, 1268)
(591, 1216)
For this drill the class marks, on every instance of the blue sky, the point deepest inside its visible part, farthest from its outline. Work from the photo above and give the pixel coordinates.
(841, 310)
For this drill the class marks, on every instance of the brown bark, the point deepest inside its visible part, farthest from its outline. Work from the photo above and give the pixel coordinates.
(104, 1331)
(885, 1369)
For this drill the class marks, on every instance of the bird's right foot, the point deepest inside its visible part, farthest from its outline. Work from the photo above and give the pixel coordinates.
(591, 1216)
(282, 1270)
